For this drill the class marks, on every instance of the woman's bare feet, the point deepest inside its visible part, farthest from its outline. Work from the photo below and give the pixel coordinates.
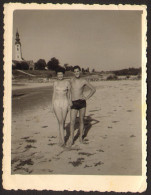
(61, 143)
(69, 143)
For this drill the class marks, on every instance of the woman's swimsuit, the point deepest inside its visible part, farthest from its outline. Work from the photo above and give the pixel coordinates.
(61, 101)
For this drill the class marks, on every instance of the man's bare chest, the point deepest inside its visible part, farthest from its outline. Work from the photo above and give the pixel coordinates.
(77, 85)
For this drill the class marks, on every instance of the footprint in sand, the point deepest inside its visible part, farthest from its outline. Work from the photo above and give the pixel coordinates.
(36, 133)
(85, 153)
(104, 137)
(44, 126)
(24, 162)
(98, 163)
(100, 150)
(72, 149)
(56, 158)
(86, 166)
(25, 137)
(132, 136)
(110, 127)
(22, 169)
(129, 110)
(31, 140)
(43, 161)
(85, 142)
(78, 162)
(52, 137)
(27, 147)
(94, 110)
(14, 160)
(33, 153)
(51, 144)
(115, 121)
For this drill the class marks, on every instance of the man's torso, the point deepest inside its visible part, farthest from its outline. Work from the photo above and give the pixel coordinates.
(77, 87)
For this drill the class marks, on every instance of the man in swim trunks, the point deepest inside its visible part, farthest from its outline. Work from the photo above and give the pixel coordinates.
(78, 102)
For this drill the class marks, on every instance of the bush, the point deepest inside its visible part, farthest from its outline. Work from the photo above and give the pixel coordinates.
(139, 77)
(112, 77)
(22, 66)
(129, 71)
(127, 76)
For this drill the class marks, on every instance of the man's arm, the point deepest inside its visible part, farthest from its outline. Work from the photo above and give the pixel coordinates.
(92, 90)
(69, 93)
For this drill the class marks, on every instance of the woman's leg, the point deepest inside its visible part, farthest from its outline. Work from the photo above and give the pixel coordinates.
(58, 113)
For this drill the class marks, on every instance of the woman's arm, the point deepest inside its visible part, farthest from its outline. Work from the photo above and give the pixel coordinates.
(92, 90)
(53, 95)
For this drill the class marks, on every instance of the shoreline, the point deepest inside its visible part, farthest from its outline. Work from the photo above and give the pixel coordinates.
(27, 85)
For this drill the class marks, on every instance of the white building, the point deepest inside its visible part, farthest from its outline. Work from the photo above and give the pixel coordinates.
(18, 52)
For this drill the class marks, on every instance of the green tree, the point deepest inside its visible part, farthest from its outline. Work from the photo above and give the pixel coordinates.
(40, 64)
(22, 65)
(53, 64)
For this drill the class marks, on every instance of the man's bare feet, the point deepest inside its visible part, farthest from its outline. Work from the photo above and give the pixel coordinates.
(81, 139)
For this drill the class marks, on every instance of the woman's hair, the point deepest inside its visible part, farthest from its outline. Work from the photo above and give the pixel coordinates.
(60, 69)
(76, 67)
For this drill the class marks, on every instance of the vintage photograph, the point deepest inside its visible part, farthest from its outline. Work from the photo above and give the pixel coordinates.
(76, 92)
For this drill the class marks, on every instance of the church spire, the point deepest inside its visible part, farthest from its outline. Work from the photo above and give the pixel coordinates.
(18, 52)
(17, 38)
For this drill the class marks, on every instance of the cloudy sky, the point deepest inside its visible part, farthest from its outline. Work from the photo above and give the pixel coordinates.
(104, 40)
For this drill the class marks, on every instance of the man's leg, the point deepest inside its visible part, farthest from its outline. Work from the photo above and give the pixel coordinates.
(73, 115)
(81, 116)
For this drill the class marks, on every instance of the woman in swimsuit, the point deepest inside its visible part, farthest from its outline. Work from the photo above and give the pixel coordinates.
(61, 102)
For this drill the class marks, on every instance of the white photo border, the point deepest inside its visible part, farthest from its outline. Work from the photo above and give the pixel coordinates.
(67, 182)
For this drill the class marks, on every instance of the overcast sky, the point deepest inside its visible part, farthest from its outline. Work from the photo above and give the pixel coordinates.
(104, 40)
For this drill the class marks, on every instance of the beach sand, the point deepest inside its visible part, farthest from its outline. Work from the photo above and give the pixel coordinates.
(112, 143)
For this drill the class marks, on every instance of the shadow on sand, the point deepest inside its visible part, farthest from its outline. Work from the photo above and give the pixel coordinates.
(88, 123)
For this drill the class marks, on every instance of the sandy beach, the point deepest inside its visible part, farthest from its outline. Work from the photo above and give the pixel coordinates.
(112, 143)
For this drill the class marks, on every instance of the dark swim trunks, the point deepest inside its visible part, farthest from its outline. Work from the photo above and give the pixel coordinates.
(78, 104)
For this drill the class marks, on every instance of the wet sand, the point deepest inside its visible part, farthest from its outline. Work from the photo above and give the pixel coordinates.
(112, 143)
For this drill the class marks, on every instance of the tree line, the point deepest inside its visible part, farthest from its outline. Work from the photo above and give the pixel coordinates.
(128, 71)
(53, 64)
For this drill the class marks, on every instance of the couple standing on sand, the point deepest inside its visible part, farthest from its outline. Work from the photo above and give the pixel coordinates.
(68, 95)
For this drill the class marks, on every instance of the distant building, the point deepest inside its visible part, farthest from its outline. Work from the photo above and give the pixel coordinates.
(31, 64)
(18, 54)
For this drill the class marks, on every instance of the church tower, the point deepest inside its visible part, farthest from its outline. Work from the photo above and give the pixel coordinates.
(18, 53)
